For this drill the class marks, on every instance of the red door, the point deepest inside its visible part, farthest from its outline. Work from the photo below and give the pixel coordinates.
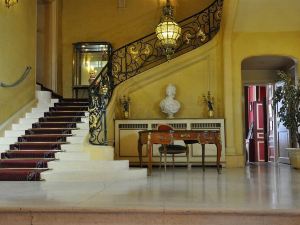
(259, 131)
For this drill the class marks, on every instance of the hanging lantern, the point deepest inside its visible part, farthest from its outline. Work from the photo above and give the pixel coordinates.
(168, 31)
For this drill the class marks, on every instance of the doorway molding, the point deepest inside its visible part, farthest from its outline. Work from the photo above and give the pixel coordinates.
(261, 70)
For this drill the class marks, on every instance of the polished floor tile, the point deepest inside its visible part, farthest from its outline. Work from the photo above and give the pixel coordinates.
(256, 187)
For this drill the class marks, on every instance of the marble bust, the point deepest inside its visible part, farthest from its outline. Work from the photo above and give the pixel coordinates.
(169, 105)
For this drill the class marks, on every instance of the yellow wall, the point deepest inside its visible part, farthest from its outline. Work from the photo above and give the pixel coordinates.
(18, 50)
(193, 74)
(236, 47)
(285, 44)
(90, 20)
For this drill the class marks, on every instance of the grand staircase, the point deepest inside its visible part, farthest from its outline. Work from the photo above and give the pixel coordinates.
(48, 144)
(49, 133)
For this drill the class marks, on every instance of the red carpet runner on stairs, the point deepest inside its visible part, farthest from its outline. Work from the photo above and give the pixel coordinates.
(28, 157)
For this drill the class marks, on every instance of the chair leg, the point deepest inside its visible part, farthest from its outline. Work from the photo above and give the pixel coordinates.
(188, 156)
(173, 159)
(165, 153)
(203, 157)
(160, 157)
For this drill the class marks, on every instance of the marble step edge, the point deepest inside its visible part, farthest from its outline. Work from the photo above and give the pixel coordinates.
(83, 125)
(38, 115)
(94, 165)
(18, 133)
(51, 175)
(36, 120)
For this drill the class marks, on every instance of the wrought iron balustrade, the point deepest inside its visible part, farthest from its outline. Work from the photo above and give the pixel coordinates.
(100, 92)
(143, 54)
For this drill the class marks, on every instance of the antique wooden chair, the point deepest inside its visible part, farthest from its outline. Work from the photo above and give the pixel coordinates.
(171, 149)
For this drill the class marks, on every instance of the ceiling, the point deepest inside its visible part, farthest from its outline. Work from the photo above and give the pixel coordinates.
(267, 63)
(267, 16)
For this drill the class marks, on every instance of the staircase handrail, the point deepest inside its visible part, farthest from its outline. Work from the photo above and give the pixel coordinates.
(22, 77)
(181, 21)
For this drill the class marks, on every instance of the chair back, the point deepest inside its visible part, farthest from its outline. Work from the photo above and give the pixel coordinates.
(164, 127)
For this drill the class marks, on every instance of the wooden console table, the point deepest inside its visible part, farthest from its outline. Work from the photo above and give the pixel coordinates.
(151, 137)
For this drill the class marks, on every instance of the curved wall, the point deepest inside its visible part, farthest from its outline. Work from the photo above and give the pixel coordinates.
(193, 74)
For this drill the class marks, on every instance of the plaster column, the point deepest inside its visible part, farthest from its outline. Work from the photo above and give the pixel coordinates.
(234, 154)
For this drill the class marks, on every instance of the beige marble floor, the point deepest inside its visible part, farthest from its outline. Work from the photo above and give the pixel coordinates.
(256, 187)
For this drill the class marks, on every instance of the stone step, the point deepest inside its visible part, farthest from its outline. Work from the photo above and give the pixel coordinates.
(85, 100)
(91, 165)
(41, 112)
(43, 138)
(114, 175)
(43, 105)
(95, 151)
(25, 163)
(54, 100)
(8, 140)
(67, 113)
(21, 127)
(68, 108)
(4, 147)
(40, 109)
(71, 104)
(43, 96)
(81, 132)
(76, 139)
(72, 147)
(36, 145)
(73, 155)
(50, 130)
(13, 133)
(21, 174)
(83, 125)
(34, 115)
(28, 121)
(29, 154)
(47, 135)
(55, 125)
(60, 119)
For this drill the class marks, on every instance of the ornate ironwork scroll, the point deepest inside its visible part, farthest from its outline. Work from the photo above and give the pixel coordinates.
(100, 92)
(146, 53)
(141, 55)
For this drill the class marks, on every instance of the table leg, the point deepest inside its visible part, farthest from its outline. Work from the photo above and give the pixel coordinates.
(203, 157)
(140, 147)
(165, 157)
(149, 159)
(219, 149)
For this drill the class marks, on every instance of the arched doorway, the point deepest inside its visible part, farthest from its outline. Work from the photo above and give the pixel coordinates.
(265, 138)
